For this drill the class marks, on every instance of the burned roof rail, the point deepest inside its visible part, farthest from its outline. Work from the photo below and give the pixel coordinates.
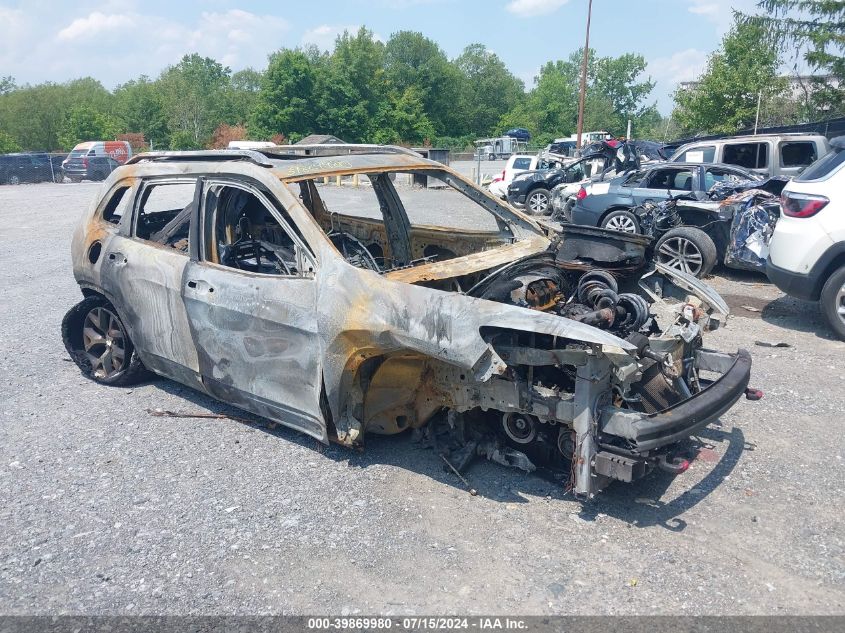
(333, 149)
(204, 155)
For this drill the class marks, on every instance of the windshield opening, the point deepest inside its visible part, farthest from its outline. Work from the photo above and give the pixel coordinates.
(390, 220)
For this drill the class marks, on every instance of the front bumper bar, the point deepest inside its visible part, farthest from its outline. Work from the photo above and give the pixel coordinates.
(647, 431)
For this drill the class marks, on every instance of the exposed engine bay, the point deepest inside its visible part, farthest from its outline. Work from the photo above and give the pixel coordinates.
(527, 417)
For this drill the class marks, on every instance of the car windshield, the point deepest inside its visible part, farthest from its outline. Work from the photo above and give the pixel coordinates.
(78, 153)
(384, 221)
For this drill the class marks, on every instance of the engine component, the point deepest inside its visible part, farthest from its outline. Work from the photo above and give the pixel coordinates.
(520, 428)
(636, 311)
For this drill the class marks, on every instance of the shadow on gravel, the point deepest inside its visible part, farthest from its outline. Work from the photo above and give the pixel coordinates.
(639, 503)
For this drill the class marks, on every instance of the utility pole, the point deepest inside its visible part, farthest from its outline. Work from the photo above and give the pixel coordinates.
(584, 78)
(757, 118)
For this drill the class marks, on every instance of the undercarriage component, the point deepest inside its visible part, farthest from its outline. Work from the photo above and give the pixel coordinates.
(522, 429)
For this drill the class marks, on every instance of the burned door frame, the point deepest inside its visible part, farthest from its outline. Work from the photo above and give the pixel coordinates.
(146, 289)
(256, 334)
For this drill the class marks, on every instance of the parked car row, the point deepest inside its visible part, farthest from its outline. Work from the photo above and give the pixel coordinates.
(92, 160)
(16, 169)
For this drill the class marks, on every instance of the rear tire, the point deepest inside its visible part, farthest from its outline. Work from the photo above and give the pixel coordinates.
(99, 344)
(687, 249)
(832, 302)
(622, 221)
(14, 180)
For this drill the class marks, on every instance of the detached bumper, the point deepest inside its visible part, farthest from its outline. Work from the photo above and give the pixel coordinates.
(647, 431)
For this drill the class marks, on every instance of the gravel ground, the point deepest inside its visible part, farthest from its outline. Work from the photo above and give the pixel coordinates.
(107, 510)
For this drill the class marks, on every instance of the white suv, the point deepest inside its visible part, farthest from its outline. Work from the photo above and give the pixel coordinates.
(807, 250)
(517, 164)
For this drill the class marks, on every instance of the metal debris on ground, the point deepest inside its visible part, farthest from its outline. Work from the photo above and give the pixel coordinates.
(472, 491)
(770, 344)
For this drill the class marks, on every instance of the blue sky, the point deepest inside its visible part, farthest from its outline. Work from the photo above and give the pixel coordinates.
(114, 41)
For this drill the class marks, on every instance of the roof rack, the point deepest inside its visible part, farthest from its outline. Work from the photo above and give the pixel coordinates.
(335, 149)
(204, 155)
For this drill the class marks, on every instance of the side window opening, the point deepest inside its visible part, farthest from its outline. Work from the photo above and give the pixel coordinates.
(385, 222)
(664, 179)
(700, 154)
(243, 233)
(798, 153)
(748, 155)
(164, 214)
(714, 175)
(117, 204)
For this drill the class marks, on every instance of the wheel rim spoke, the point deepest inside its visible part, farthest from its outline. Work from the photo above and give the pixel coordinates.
(103, 341)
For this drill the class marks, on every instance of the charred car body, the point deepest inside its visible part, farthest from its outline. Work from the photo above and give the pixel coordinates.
(261, 288)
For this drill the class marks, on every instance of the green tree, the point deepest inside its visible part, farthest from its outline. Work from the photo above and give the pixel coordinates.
(193, 94)
(140, 105)
(488, 90)
(85, 124)
(817, 29)
(285, 100)
(725, 99)
(402, 119)
(241, 95)
(8, 144)
(7, 84)
(412, 60)
(551, 108)
(351, 89)
(614, 95)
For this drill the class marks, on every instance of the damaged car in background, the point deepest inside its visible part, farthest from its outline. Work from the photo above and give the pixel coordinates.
(342, 311)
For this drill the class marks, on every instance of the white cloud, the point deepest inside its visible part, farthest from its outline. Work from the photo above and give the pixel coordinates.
(530, 8)
(93, 25)
(324, 36)
(669, 71)
(720, 12)
(105, 43)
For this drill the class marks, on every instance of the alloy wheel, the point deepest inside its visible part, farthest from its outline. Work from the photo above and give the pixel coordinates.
(621, 223)
(682, 254)
(538, 203)
(840, 303)
(104, 342)
(14, 180)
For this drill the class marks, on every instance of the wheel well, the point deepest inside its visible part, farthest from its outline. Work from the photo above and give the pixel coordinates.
(835, 264)
(89, 292)
(611, 210)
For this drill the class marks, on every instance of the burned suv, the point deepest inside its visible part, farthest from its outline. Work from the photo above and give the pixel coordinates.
(317, 286)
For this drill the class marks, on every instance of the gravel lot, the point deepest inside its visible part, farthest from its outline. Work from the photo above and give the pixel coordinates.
(107, 510)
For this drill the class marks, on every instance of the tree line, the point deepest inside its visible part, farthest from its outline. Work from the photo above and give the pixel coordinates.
(405, 90)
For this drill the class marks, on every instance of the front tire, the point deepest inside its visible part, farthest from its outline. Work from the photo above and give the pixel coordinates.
(832, 302)
(622, 221)
(14, 180)
(538, 202)
(99, 343)
(687, 249)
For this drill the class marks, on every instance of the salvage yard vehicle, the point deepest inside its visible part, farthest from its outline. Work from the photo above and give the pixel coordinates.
(807, 250)
(622, 203)
(765, 154)
(517, 164)
(94, 160)
(340, 311)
